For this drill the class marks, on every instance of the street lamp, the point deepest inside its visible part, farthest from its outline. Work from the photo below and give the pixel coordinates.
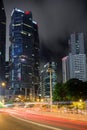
(50, 70)
(3, 84)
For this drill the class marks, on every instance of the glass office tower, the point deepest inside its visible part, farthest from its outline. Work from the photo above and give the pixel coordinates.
(24, 51)
(2, 40)
(48, 74)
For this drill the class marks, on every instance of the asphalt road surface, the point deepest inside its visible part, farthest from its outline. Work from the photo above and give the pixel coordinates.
(8, 122)
(18, 120)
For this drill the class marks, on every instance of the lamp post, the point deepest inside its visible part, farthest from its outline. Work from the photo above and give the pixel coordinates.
(2, 85)
(50, 70)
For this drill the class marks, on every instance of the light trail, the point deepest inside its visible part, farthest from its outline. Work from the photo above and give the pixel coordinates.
(41, 125)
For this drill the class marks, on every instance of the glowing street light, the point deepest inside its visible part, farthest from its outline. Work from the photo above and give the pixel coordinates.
(80, 100)
(3, 84)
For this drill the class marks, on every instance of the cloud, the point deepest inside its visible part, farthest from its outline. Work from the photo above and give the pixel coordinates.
(57, 19)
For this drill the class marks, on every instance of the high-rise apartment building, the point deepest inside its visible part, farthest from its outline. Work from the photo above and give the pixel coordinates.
(76, 59)
(24, 51)
(2, 40)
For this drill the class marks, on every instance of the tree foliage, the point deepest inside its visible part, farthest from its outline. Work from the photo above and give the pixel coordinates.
(59, 92)
(72, 90)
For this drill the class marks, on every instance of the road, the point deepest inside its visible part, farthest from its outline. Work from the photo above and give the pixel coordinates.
(8, 122)
(22, 120)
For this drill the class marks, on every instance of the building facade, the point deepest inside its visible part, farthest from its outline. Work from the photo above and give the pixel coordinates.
(76, 43)
(23, 51)
(2, 46)
(65, 68)
(76, 59)
(2, 40)
(49, 68)
(7, 73)
(77, 65)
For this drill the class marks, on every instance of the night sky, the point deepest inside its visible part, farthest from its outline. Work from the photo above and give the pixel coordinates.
(56, 19)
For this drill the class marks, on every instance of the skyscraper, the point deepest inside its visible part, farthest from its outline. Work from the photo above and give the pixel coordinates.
(76, 43)
(24, 51)
(2, 40)
(76, 58)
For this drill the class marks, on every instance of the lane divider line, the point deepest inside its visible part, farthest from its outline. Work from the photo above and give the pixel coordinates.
(42, 125)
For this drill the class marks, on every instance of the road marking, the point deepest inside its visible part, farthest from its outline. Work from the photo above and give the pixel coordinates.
(46, 126)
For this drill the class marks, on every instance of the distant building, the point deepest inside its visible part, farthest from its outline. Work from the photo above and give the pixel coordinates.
(65, 68)
(76, 43)
(2, 40)
(24, 51)
(76, 60)
(45, 78)
(77, 65)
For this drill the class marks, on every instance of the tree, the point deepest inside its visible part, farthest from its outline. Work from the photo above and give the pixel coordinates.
(59, 93)
(74, 89)
(84, 91)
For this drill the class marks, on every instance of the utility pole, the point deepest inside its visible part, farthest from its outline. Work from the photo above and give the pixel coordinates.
(51, 89)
